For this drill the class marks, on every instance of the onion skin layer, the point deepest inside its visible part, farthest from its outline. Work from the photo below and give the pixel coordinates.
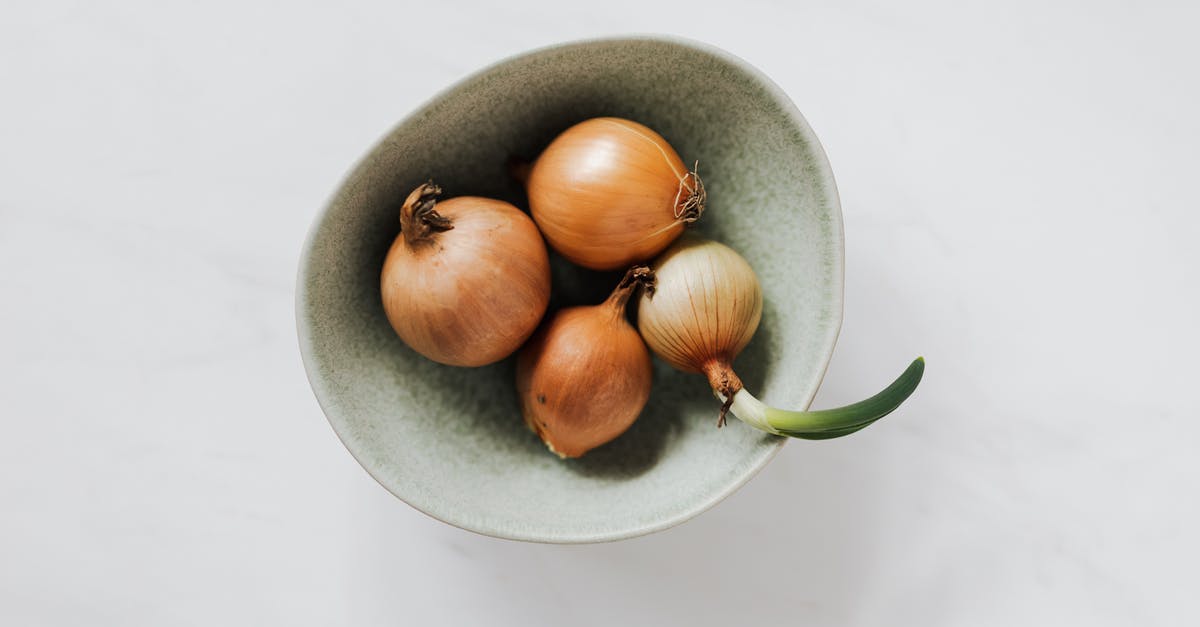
(585, 376)
(470, 290)
(705, 308)
(608, 193)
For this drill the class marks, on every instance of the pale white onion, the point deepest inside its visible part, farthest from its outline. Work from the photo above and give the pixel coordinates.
(704, 310)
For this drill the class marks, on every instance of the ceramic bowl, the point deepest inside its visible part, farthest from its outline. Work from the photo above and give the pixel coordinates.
(450, 441)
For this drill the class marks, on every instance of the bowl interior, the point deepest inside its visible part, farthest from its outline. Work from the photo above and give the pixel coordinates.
(450, 441)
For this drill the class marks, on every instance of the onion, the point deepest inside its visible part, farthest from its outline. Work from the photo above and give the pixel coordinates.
(705, 308)
(467, 282)
(585, 375)
(608, 193)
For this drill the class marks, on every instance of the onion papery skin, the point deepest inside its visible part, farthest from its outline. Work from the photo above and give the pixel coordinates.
(471, 294)
(608, 193)
(584, 377)
(705, 308)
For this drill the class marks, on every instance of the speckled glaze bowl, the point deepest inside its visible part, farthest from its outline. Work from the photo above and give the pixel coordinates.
(451, 441)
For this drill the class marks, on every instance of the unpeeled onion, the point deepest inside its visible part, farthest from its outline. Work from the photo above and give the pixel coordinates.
(584, 377)
(609, 192)
(705, 308)
(467, 280)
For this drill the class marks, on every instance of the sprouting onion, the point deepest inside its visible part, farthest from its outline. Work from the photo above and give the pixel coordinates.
(824, 424)
(705, 309)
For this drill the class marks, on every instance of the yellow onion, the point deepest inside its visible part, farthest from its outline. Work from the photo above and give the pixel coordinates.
(608, 193)
(584, 377)
(467, 280)
(705, 308)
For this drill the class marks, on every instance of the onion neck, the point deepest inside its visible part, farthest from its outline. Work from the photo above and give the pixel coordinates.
(419, 219)
(636, 276)
(725, 384)
(748, 409)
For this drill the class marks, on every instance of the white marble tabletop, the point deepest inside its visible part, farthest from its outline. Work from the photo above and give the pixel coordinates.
(1019, 189)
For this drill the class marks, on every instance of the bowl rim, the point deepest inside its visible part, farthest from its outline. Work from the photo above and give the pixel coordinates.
(824, 170)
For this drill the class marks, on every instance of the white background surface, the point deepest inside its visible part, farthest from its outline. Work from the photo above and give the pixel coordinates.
(1019, 189)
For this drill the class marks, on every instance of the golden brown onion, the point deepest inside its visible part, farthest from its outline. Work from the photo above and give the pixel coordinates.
(467, 280)
(608, 193)
(585, 375)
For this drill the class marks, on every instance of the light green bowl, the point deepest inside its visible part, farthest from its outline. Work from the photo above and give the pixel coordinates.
(450, 441)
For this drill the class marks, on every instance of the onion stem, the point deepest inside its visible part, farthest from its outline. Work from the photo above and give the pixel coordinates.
(824, 424)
